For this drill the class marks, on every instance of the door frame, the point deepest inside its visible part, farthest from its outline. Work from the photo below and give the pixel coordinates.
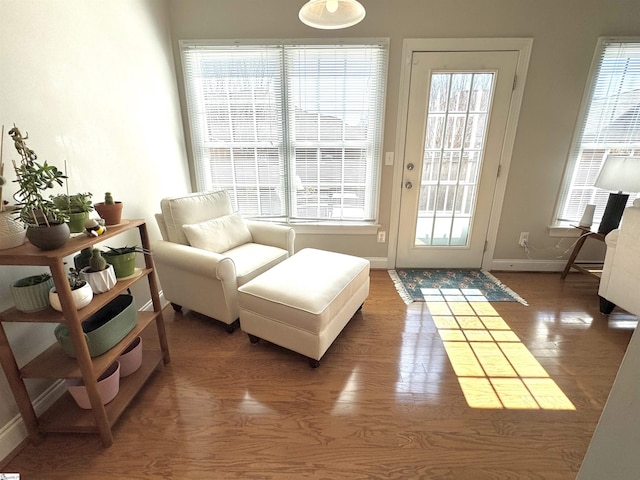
(410, 45)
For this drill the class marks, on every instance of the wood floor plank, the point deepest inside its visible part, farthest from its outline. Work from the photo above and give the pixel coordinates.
(385, 402)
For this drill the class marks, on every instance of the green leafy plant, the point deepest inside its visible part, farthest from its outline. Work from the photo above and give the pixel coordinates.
(125, 250)
(32, 280)
(33, 179)
(74, 279)
(77, 203)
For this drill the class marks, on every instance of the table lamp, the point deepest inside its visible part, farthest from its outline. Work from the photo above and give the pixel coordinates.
(621, 174)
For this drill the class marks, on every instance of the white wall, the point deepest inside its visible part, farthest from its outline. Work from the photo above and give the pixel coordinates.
(92, 82)
(565, 34)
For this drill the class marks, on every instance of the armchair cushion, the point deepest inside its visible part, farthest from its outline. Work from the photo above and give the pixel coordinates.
(218, 234)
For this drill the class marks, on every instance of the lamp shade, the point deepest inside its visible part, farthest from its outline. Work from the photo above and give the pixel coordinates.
(331, 14)
(620, 174)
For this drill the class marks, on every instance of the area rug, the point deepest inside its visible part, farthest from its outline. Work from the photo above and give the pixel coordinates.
(422, 285)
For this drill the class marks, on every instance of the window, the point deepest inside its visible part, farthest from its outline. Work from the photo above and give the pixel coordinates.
(610, 124)
(291, 131)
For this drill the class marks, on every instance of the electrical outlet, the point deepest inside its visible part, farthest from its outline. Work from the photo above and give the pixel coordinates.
(382, 237)
(524, 239)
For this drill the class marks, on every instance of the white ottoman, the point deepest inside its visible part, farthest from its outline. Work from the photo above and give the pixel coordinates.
(304, 302)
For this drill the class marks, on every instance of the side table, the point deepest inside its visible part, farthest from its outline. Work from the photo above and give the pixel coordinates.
(571, 263)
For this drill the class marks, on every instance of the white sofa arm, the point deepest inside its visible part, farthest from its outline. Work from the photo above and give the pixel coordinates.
(271, 234)
(195, 260)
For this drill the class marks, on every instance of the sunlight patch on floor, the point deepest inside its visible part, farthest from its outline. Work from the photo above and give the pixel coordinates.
(494, 368)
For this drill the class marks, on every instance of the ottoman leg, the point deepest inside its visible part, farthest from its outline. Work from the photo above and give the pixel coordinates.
(176, 307)
(313, 363)
(253, 338)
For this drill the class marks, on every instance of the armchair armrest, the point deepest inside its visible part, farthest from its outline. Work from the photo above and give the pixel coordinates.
(272, 234)
(195, 260)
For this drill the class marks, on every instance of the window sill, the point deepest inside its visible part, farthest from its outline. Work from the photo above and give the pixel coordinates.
(331, 228)
(566, 231)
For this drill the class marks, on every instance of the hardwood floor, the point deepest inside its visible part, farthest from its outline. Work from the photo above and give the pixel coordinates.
(385, 402)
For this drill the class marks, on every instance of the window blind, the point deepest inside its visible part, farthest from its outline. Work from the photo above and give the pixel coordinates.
(290, 130)
(610, 124)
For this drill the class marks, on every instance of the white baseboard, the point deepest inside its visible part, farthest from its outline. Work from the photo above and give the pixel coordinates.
(525, 265)
(14, 432)
(379, 263)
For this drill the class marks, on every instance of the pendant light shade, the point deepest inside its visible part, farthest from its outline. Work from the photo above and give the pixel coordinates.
(331, 14)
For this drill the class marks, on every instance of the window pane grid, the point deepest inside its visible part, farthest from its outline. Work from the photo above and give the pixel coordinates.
(289, 130)
(455, 135)
(611, 124)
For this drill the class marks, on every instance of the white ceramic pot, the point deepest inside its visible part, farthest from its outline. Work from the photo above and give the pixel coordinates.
(81, 297)
(12, 231)
(100, 282)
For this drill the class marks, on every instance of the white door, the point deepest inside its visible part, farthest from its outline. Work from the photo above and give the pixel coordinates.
(457, 117)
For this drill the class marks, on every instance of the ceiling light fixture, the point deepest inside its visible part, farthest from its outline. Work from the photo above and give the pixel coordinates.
(331, 14)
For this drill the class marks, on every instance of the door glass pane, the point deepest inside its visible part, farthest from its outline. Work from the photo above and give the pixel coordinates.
(455, 136)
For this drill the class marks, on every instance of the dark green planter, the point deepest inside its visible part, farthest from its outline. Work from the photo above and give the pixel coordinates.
(124, 264)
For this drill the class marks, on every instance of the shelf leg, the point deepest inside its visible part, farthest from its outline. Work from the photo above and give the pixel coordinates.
(155, 298)
(12, 372)
(72, 320)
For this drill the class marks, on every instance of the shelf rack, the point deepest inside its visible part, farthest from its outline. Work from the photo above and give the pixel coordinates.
(64, 415)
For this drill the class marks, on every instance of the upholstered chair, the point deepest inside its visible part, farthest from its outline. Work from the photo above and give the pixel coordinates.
(620, 281)
(207, 251)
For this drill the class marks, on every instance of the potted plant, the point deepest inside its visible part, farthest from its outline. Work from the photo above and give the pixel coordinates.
(12, 231)
(31, 294)
(46, 227)
(123, 259)
(77, 206)
(81, 292)
(99, 274)
(109, 210)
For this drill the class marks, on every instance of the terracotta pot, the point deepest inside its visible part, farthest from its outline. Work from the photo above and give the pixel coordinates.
(111, 214)
(48, 237)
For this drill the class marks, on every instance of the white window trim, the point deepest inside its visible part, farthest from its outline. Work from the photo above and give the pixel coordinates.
(308, 227)
(563, 228)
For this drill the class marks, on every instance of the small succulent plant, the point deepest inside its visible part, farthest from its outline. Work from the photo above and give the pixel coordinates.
(97, 263)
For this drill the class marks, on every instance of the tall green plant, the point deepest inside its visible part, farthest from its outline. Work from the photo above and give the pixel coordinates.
(33, 179)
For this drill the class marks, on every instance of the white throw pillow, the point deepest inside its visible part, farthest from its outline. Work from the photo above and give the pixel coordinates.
(219, 234)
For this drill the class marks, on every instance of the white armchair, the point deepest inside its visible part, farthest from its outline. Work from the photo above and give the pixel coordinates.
(620, 281)
(207, 252)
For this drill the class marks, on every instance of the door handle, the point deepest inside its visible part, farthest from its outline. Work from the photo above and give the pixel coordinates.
(408, 185)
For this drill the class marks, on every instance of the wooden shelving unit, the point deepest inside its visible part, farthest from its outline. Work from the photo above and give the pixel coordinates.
(65, 415)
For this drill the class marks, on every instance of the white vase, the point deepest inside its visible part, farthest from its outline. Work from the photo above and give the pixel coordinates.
(100, 282)
(12, 231)
(587, 217)
(81, 297)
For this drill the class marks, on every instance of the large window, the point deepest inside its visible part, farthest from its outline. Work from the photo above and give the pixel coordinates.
(291, 131)
(610, 124)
